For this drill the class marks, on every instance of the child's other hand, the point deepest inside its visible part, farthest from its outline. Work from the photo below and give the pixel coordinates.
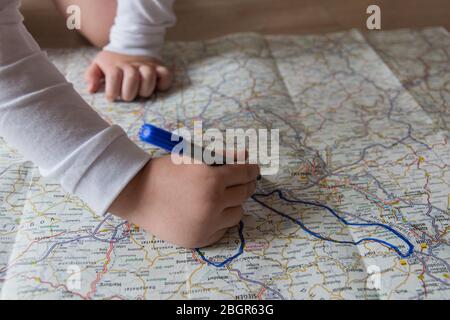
(127, 76)
(190, 205)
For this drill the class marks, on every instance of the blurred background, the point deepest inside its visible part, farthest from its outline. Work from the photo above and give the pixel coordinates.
(203, 19)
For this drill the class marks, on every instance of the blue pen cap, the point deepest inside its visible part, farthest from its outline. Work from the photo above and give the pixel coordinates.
(159, 137)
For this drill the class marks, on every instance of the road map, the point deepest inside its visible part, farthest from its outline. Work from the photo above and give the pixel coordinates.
(359, 208)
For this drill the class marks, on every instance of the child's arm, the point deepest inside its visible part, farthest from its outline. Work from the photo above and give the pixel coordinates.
(131, 62)
(49, 123)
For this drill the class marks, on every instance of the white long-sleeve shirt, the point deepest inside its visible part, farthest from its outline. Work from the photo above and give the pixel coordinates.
(140, 26)
(43, 117)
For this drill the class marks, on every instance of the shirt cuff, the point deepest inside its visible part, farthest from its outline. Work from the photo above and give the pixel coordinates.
(110, 173)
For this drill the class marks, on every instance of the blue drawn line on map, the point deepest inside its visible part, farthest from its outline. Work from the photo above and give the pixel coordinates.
(229, 259)
(298, 222)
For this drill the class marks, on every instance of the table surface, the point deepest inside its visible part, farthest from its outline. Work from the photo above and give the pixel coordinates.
(204, 19)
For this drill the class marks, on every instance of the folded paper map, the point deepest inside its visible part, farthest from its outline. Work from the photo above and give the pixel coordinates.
(359, 208)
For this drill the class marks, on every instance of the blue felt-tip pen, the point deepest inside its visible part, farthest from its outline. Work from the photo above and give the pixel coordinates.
(168, 141)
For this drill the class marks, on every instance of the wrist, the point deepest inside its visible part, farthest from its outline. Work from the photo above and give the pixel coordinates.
(126, 202)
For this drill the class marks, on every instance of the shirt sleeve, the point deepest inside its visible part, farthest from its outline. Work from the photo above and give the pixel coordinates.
(140, 26)
(43, 117)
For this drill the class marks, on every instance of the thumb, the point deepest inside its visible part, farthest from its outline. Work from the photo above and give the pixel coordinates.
(93, 76)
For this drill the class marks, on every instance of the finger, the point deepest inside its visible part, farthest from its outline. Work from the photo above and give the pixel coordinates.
(130, 83)
(236, 174)
(237, 195)
(230, 217)
(164, 78)
(216, 236)
(148, 80)
(94, 76)
(113, 78)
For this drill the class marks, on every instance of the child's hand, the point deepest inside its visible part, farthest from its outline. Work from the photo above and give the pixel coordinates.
(127, 76)
(190, 205)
